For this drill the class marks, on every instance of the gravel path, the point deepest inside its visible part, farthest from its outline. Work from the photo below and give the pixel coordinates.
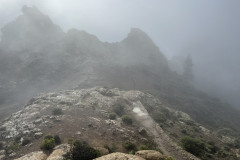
(159, 136)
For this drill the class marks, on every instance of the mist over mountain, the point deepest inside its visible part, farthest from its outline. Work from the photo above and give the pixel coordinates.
(89, 79)
(37, 56)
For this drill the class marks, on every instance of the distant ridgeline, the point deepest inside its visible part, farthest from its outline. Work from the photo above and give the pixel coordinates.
(37, 56)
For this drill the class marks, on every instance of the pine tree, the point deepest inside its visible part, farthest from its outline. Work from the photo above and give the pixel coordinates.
(187, 68)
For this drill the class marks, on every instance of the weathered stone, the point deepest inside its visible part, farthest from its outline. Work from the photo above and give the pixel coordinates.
(38, 135)
(12, 155)
(57, 155)
(38, 121)
(2, 152)
(2, 157)
(119, 156)
(39, 155)
(78, 133)
(65, 147)
(150, 155)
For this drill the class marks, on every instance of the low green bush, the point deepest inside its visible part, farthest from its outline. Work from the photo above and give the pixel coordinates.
(25, 141)
(112, 116)
(193, 145)
(57, 139)
(48, 143)
(111, 149)
(48, 136)
(199, 147)
(126, 119)
(184, 131)
(118, 109)
(57, 111)
(82, 151)
(170, 158)
(1, 145)
(13, 146)
(129, 146)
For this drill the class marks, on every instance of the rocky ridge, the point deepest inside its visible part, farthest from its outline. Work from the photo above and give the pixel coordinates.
(85, 117)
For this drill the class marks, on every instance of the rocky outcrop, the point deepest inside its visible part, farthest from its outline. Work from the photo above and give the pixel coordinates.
(39, 155)
(119, 156)
(150, 155)
(87, 112)
(57, 155)
(59, 151)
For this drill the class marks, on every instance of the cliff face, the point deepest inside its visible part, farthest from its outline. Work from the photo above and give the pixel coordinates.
(37, 56)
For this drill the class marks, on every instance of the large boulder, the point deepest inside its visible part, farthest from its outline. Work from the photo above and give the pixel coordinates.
(150, 155)
(119, 156)
(59, 151)
(57, 155)
(39, 155)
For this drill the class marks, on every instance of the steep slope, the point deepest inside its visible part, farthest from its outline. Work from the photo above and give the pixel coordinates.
(85, 116)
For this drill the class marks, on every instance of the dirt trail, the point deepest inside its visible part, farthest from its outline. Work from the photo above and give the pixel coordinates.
(163, 141)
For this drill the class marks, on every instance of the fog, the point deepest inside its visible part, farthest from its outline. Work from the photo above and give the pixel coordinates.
(206, 30)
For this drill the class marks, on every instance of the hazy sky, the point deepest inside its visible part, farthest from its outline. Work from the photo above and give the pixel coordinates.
(173, 24)
(209, 30)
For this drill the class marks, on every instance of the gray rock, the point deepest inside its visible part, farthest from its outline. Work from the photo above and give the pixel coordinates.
(12, 155)
(150, 155)
(78, 133)
(2, 157)
(39, 155)
(59, 151)
(38, 135)
(2, 152)
(119, 156)
(38, 121)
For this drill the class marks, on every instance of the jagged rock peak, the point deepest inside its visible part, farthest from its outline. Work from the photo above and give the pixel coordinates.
(137, 34)
(32, 28)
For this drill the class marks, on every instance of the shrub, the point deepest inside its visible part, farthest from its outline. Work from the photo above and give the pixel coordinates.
(126, 119)
(25, 141)
(170, 158)
(129, 146)
(194, 146)
(57, 139)
(111, 149)
(159, 117)
(148, 144)
(143, 147)
(112, 115)
(118, 109)
(48, 136)
(13, 146)
(82, 151)
(48, 143)
(184, 131)
(57, 111)
(1, 145)
(70, 141)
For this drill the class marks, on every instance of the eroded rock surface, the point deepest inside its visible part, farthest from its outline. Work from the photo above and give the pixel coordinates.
(85, 116)
(120, 156)
(150, 155)
(39, 155)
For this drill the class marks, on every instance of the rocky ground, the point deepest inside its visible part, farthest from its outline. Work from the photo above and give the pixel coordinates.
(85, 116)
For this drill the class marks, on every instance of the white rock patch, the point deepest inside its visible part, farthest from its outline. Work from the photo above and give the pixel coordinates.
(137, 109)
